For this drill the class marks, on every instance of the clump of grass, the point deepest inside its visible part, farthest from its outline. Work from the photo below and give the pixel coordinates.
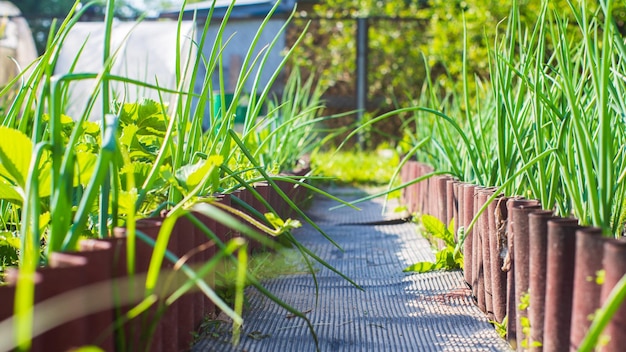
(356, 167)
(262, 266)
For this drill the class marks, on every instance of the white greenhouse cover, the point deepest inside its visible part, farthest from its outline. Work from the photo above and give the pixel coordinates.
(241, 8)
(16, 42)
(145, 51)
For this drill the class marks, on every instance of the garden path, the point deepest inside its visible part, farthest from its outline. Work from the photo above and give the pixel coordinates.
(395, 311)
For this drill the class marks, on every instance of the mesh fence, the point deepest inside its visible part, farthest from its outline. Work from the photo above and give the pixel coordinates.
(394, 65)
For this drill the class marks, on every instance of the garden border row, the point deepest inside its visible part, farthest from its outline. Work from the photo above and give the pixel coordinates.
(93, 286)
(546, 274)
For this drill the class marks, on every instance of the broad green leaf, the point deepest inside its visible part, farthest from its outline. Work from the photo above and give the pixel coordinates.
(156, 128)
(86, 164)
(128, 114)
(16, 151)
(11, 193)
(280, 225)
(437, 229)
(433, 225)
(128, 134)
(150, 118)
(448, 237)
(140, 155)
(45, 178)
(91, 128)
(458, 259)
(148, 108)
(421, 267)
(9, 247)
(89, 143)
(150, 144)
(444, 260)
(274, 220)
(184, 174)
(191, 175)
(8, 239)
(44, 221)
(126, 201)
(139, 170)
(166, 174)
(67, 121)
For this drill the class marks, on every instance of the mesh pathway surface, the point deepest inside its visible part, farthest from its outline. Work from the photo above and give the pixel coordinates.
(394, 312)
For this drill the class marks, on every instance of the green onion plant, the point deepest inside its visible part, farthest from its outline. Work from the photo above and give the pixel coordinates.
(547, 125)
(63, 179)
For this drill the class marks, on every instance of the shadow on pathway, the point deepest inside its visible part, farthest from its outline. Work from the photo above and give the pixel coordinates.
(395, 311)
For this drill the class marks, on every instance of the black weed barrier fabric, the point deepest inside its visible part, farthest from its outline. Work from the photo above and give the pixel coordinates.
(395, 312)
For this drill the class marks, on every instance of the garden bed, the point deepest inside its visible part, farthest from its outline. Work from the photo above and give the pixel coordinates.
(94, 282)
(393, 311)
(538, 275)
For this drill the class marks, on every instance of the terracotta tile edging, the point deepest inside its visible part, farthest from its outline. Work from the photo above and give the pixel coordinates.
(587, 290)
(537, 263)
(559, 283)
(552, 266)
(614, 264)
(521, 248)
(102, 264)
(497, 213)
(478, 273)
(485, 226)
(467, 214)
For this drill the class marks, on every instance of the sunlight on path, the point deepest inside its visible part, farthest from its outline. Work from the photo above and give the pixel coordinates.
(395, 312)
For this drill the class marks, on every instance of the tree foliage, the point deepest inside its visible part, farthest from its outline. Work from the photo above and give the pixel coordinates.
(402, 33)
(49, 7)
(484, 21)
(396, 68)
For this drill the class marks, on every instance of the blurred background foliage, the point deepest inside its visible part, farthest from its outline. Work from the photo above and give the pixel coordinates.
(407, 40)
